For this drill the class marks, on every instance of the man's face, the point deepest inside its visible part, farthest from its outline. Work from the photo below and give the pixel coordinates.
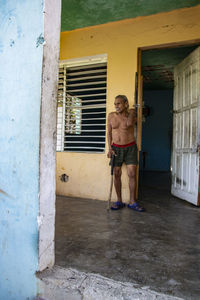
(120, 105)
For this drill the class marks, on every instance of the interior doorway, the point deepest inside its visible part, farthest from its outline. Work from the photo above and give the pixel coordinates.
(157, 138)
(157, 68)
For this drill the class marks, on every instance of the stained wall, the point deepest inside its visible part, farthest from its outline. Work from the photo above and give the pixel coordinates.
(22, 85)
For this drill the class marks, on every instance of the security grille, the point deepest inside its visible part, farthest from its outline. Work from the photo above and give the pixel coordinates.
(81, 111)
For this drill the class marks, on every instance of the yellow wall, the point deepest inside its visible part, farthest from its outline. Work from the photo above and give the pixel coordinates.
(89, 173)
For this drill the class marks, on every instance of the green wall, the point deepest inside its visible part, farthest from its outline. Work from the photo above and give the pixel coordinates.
(83, 13)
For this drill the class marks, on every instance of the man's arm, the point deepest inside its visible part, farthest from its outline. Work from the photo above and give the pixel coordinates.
(109, 136)
(132, 117)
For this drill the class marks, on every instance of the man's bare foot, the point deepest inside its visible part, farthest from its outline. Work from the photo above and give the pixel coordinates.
(117, 205)
(135, 206)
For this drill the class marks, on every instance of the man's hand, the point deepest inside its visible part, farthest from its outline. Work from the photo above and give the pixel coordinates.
(110, 153)
(133, 112)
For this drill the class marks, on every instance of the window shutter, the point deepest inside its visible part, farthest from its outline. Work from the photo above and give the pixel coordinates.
(61, 108)
(81, 114)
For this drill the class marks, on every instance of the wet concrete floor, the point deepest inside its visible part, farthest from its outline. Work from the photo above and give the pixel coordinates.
(159, 248)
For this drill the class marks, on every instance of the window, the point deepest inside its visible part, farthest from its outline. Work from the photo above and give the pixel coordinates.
(73, 115)
(81, 106)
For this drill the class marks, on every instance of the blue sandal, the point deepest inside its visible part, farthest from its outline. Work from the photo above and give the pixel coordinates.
(117, 205)
(136, 207)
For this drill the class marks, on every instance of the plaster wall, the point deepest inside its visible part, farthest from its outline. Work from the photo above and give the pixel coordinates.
(89, 173)
(21, 40)
(21, 78)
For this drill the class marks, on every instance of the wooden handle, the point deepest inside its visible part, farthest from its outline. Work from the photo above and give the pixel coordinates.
(110, 192)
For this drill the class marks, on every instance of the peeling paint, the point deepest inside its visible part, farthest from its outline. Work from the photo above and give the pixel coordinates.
(3, 192)
(12, 42)
(158, 65)
(179, 181)
(40, 220)
(40, 41)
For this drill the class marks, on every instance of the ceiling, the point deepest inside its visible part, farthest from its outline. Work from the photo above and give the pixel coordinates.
(158, 66)
(83, 13)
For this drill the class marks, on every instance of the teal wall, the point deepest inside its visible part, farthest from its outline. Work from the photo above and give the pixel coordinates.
(158, 66)
(21, 52)
(157, 130)
(82, 13)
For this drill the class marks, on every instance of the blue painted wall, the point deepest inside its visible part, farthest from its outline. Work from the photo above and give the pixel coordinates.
(157, 129)
(21, 50)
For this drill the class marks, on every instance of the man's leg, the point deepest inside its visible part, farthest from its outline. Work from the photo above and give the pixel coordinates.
(118, 183)
(118, 186)
(131, 169)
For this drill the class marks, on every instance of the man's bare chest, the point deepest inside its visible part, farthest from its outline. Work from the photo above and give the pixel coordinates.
(120, 123)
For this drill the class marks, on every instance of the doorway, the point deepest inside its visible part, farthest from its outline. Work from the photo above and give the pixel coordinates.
(90, 240)
(157, 67)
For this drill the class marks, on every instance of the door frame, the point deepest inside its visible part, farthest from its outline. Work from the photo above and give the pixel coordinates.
(47, 150)
(140, 100)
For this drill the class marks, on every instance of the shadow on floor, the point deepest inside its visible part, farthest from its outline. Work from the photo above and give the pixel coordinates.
(159, 248)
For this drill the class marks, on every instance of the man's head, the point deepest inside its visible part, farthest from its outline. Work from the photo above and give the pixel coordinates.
(121, 103)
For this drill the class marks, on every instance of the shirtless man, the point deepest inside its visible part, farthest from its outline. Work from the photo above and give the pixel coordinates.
(121, 142)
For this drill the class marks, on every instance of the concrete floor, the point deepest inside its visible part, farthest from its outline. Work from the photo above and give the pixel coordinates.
(159, 248)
